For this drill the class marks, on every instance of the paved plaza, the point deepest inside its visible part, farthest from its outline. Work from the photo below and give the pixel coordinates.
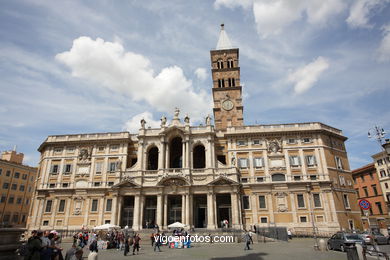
(296, 249)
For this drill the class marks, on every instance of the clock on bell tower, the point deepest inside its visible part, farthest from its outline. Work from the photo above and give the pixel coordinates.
(227, 92)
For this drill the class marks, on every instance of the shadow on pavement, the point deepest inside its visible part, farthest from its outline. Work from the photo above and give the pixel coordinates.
(253, 256)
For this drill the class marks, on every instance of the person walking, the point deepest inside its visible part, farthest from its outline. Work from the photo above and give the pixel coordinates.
(157, 243)
(247, 240)
(127, 246)
(93, 248)
(136, 241)
(34, 246)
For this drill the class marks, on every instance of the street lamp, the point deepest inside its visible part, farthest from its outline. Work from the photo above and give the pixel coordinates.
(308, 189)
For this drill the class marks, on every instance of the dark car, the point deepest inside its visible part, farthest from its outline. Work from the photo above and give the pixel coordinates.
(379, 238)
(338, 240)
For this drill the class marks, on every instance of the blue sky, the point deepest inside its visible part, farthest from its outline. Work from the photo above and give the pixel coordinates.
(98, 66)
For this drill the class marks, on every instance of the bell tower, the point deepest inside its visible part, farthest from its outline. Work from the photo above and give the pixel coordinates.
(227, 92)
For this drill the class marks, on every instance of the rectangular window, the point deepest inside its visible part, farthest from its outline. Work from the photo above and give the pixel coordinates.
(108, 204)
(54, 169)
(375, 190)
(114, 148)
(260, 179)
(245, 202)
(8, 173)
(70, 149)
(19, 201)
(241, 142)
(263, 220)
(317, 200)
(48, 206)
(303, 219)
(112, 166)
(301, 201)
(258, 162)
(365, 191)
(339, 163)
(1, 171)
(297, 178)
(98, 167)
(262, 203)
(346, 201)
(27, 201)
(68, 168)
(110, 183)
(244, 180)
(15, 218)
(256, 142)
(24, 177)
(311, 160)
(295, 161)
(313, 177)
(379, 205)
(14, 187)
(5, 185)
(3, 198)
(11, 200)
(61, 207)
(243, 163)
(45, 223)
(382, 173)
(291, 141)
(107, 221)
(65, 185)
(380, 162)
(96, 184)
(371, 176)
(16, 175)
(342, 180)
(52, 185)
(57, 150)
(306, 140)
(94, 205)
(101, 149)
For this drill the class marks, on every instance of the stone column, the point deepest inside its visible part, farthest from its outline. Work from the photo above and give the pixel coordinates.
(183, 155)
(115, 207)
(188, 210)
(161, 155)
(303, 166)
(86, 211)
(188, 154)
(235, 209)
(54, 212)
(293, 208)
(210, 211)
(166, 156)
(183, 209)
(67, 212)
(141, 211)
(254, 207)
(119, 210)
(40, 212)
(271, 208)
(101, 211)
(165, 212)
(159, 211)
(36, 205)
(136, 212)
(327, 210)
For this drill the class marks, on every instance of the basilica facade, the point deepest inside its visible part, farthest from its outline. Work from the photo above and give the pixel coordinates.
(294, 175)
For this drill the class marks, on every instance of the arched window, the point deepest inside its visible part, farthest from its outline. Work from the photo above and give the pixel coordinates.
(220, 64)
(153, 158)
(230, 63)
(199, 157)
(278, 177)
(221, 83)
(176, 153)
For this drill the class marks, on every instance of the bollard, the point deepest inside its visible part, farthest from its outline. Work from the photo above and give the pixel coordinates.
(352, 253)
(359, 249)
(322, 245)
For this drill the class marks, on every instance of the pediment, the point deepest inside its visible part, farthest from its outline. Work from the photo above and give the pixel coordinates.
(173, 181)
(126, 183)
(173, 129)
(222, 181)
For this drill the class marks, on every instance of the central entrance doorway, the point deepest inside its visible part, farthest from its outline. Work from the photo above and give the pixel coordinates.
(200, 211)
(224, 209)
(150, 209)
(127, 211)
(174, 209)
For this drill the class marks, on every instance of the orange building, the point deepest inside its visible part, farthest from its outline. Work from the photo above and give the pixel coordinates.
(367, 186)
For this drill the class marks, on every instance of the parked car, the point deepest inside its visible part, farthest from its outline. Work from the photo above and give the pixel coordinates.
(379, 238)
(338, 240)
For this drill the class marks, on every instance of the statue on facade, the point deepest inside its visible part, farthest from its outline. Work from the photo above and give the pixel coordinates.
(143, 123)
(233, 161)
(85, 155)
(176, 114)
(274, 146)
(163, 121)
(187, 119)
(208, 120)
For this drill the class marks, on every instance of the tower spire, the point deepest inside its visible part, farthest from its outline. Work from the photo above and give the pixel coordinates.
(223, 41)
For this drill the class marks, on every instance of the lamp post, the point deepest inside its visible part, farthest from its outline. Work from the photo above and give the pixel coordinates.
(308, 189)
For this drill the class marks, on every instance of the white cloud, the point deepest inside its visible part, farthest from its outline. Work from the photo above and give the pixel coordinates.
(134, 124)
(233, 3)
(361, 10)
(107, 64)
(305, 77)
(384, 47)
(272, 16)
(201, 73)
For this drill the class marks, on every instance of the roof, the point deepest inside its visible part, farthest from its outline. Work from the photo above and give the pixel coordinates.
(365, 168)
(223, 41)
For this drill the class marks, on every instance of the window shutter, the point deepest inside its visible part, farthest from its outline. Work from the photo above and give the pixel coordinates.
(247, 163)
(239, 162)
(254, 163)
(291, 160)
(299, 160)
(314, 160)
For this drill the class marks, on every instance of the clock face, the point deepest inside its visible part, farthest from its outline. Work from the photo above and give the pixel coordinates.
(227, 105)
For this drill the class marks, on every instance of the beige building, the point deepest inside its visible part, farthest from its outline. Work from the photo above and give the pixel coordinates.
(16, 189)
(382, 165)
(294, 175)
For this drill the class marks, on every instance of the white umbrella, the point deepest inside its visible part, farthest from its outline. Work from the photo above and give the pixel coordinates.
(106, 227)
(176, 225)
